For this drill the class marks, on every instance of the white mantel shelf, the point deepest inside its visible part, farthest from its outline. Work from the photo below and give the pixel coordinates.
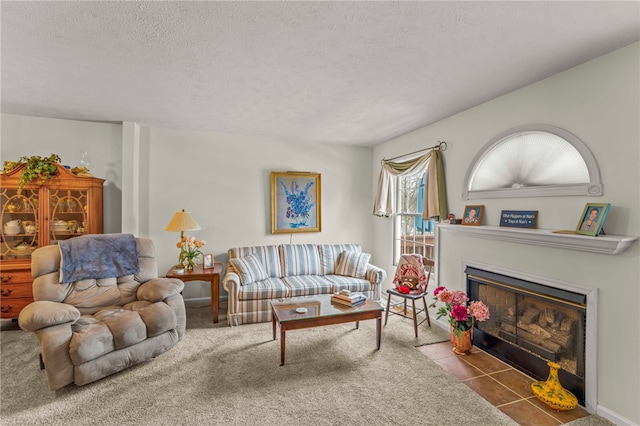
(608, 244)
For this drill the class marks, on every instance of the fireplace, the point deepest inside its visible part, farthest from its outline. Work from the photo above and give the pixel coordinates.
(532, 323)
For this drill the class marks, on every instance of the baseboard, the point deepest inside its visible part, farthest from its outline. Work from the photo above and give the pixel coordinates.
(613, 417)
(200, 300)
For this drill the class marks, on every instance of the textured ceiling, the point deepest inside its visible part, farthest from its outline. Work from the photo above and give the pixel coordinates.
(356, 73)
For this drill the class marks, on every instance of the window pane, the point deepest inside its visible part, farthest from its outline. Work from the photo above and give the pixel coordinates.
(411, 239)
(411, 233)
(409, 189)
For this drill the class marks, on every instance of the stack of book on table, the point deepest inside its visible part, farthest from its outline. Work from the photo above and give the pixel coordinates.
(347, 298)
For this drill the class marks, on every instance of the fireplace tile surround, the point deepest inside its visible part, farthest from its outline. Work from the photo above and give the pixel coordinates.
(501, 385)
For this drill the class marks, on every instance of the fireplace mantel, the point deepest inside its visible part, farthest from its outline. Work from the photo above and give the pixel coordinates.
(608, 244)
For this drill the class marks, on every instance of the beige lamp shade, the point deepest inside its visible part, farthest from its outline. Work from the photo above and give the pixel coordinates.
(182, 221)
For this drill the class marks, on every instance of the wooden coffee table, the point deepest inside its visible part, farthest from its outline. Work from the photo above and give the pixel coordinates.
(319, 312)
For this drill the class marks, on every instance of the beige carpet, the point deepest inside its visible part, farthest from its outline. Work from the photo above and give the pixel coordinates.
(231, 376)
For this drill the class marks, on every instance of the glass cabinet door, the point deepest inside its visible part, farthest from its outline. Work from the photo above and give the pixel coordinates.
(19, 234)
(68, 214)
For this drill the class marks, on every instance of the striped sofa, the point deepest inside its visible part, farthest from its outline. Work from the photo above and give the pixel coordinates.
(257, 275)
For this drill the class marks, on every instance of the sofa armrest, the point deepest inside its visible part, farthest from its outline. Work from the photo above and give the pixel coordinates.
(375, 276)
(158, 289)
(41, 314)
(231, 283)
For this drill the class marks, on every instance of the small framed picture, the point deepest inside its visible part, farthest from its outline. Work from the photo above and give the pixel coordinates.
(472, 215)
(592, 218)
(207, 261)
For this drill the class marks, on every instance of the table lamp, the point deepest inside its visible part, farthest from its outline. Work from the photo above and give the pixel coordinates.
(182, 221)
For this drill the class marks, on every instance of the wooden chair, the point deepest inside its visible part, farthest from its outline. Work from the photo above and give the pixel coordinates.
(428, 265)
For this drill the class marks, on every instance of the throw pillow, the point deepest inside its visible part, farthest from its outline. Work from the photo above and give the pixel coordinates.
(329, 255)
(352, 264)
(249, 268)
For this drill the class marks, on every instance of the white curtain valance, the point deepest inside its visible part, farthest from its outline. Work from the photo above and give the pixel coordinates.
(435, 202)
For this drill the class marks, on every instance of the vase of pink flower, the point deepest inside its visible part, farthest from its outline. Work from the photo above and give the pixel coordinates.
(461, 314)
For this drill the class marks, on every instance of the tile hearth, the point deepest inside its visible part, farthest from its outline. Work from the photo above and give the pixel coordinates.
(502, 385)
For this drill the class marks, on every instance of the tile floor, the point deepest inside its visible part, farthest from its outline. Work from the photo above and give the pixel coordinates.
(503, 386)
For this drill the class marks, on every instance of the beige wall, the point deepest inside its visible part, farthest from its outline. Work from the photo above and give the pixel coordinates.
(27, 136)
(599, 102)
(225, 182)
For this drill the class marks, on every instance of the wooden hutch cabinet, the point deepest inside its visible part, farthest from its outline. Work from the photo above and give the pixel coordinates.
(64, 207)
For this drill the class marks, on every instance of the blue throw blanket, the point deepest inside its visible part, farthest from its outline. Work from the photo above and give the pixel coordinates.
(98, 256)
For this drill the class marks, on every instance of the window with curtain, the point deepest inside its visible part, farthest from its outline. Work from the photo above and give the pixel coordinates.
(411, 233)
(413, 192)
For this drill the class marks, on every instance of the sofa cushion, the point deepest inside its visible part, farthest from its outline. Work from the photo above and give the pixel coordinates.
(308, 285)
(249, 268)
(159, 289)
(115, 328)
(158, 317)
(341, 282)
(300, 259)
(271, 288)
(269, 256)
(352, 264)
(126, 326)
(90, 339)
(329, 255)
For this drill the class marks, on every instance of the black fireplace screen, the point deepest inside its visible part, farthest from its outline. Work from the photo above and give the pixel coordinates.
(531, 324)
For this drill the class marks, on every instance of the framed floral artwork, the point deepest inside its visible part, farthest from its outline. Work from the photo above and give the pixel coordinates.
(295, 202)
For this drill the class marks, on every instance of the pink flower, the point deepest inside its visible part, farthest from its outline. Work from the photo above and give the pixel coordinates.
(460, 313)
(445, 296)
(479, 311)
(459, 298)
(438, 290)
(457, 308)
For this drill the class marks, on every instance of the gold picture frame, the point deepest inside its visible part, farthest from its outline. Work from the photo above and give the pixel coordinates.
(472, 215)
(295, 202)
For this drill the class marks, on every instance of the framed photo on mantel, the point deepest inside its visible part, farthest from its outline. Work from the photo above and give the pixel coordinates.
(592, 219)
(472, 215)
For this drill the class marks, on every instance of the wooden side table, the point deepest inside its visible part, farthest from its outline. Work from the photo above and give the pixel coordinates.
(199, 274)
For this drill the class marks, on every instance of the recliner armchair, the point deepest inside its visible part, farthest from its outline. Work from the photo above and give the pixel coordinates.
(92, 328)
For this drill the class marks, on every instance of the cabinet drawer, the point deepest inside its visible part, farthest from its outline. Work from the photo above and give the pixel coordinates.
(15, 277)
(8, 290)
(11, 306)
(15, 292)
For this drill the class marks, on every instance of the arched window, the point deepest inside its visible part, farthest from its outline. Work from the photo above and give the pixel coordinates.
(533, 161)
